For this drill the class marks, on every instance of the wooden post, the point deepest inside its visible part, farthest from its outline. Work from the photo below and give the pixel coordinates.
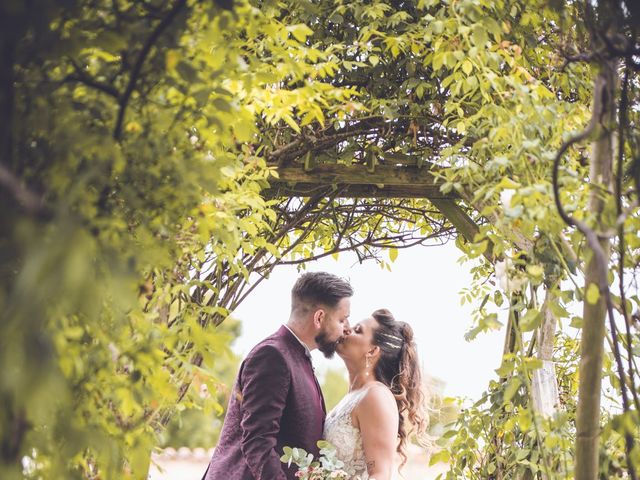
(593, 330)
(544, 383)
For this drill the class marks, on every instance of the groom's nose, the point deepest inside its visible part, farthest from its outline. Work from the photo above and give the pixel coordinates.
(346, 330)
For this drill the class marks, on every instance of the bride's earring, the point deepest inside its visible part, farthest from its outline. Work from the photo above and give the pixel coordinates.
(366, 366)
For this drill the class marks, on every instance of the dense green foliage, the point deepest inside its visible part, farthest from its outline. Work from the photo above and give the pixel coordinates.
(126, 124)
(138, 137)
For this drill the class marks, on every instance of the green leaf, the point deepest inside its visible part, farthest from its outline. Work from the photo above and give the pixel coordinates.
(576, 322)
(524, 420)
(443, 456)
(512, 388)
(530, 320)
(221, 104)
(522, 453)
(536, 271)
(505, 368)
(291, 122)
(592, 294)
(479, 35)
(300, 31)
(187, 71)
(201, 96)
(558, 310)
(507, 183)
(438, 60)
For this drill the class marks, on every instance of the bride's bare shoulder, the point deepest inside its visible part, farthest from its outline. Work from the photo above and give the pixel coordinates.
(379, 399)
(377, 410)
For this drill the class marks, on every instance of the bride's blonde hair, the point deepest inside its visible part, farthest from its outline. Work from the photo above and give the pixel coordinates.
(399, 369)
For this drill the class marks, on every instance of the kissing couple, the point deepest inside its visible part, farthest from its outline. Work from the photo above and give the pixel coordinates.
(277, 401)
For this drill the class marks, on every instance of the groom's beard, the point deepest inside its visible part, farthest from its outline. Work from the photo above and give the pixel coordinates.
(327, 347)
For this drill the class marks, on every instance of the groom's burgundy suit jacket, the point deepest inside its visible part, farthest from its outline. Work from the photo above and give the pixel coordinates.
(276, 402)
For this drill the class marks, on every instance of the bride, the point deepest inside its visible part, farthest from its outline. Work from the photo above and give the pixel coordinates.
(385, 400)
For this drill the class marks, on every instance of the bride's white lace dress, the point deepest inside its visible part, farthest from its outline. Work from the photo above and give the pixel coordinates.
(339, 431)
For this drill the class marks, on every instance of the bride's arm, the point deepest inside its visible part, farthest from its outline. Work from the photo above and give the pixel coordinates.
(377, 417)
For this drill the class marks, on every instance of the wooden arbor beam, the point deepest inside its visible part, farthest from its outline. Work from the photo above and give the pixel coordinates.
(383, 181)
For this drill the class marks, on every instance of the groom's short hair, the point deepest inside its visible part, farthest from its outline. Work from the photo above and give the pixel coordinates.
(315, 288)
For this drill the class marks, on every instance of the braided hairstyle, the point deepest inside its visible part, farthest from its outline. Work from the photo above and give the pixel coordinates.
(398, 369)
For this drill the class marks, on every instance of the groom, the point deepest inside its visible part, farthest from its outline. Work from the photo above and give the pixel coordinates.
(277, 401)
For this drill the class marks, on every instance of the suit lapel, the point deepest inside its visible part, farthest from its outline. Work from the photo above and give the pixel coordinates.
(315, 379)
(284, 332)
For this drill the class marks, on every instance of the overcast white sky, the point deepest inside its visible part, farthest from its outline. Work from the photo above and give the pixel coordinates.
(422, 289)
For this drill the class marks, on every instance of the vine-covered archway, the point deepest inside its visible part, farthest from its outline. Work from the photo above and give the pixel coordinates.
(156, 155)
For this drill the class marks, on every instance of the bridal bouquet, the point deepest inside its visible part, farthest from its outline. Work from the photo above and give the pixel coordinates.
(327, 466)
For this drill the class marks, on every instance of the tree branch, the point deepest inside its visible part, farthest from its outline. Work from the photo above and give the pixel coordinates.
(135, 73)
(82, 77)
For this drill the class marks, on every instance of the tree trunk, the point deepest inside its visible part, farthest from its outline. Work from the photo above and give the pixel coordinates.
(593, 330)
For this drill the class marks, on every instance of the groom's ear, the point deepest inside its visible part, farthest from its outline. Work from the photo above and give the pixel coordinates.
(318, 317)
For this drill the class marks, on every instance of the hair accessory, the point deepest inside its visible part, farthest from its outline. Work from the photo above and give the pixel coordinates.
(391, 336)
(392, 345)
